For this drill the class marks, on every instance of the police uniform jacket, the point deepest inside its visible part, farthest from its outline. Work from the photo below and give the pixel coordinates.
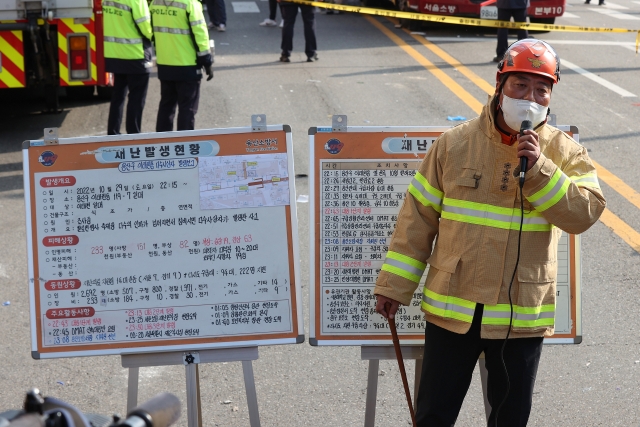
(465, 196)
(127, 36)
(181, 37)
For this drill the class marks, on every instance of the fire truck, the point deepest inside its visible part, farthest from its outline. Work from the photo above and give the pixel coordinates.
(52, 44)
(540, 11)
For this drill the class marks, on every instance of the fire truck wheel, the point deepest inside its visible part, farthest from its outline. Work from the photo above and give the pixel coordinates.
(80, 92)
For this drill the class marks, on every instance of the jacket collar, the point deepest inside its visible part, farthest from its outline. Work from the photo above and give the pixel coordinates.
(487, 122)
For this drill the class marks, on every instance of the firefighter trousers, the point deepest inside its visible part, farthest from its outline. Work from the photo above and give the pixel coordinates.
(136, 85)
(447, 369)
(182, 94)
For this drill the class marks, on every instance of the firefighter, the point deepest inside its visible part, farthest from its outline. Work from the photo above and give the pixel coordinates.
(465, 195)
(182, 51)
(127, 51)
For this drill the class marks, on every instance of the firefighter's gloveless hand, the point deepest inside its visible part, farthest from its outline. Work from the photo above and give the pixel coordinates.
(529, 147)
(381, 309)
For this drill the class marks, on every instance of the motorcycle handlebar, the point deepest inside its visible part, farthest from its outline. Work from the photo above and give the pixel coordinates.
(161, 410)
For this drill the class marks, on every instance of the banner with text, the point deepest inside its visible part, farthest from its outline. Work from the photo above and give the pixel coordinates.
(360, 178)
(158, 242)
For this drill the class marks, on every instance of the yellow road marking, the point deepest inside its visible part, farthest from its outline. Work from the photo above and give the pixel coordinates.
(608, 218)
(622, 229)
(476, 79)
(458, 90)
(618, 185)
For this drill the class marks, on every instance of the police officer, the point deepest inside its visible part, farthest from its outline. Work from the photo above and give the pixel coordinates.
(182, 51)
(127, 51)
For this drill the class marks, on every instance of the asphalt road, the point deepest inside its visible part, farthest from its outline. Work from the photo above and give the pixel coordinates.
(367, 76)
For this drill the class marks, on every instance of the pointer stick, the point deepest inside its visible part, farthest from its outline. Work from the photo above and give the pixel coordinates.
(403, 374)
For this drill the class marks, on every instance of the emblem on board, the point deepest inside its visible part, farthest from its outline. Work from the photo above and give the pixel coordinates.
(47, 158)
(536, 63)
(333, 146)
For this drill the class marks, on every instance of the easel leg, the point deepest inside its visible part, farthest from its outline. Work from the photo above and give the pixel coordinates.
(252, 397)
(132, 389)
(194, 411)
(372, 393)
(484, 375)
(416, 383)
(199, 398)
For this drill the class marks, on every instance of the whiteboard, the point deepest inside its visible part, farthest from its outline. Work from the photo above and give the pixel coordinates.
(162, 242)
(360, 178)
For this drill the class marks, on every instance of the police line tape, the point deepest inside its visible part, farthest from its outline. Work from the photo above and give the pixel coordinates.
(467, 21)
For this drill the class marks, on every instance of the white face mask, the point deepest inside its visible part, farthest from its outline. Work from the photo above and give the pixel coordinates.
(515, 111)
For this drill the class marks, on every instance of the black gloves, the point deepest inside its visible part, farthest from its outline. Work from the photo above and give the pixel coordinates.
(206, 61)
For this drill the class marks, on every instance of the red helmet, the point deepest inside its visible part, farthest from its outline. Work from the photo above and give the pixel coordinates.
(530, 56)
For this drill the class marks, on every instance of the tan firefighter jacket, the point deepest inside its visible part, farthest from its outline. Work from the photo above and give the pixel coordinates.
(465, 194)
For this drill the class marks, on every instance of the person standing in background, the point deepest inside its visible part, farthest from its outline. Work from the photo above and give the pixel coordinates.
(271, 20)
(182, 50)
(128, 52)
(507, 9)
(289, 12)
(217, 15)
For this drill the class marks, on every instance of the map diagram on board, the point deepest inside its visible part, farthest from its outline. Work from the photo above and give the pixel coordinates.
(243, 181)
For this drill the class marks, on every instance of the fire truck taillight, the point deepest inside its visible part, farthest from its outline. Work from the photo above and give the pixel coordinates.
(79, 57)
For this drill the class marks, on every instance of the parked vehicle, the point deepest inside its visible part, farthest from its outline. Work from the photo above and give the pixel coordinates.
(540, 11)
(52, 44)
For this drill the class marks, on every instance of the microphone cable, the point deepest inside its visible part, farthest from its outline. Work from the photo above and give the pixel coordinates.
(515, 269)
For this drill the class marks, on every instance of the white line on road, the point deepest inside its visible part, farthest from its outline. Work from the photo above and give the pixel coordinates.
(10, 173)
(616, 14)
(597, 79)
(569, 15)
(610, 5)
(245, 7)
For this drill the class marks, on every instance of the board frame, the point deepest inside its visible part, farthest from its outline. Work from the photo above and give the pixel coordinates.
(318, 136)
(190, 344)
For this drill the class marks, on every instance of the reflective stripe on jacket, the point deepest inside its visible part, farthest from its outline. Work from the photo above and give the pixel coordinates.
(127, 36)
(465, 193)
(181, 35)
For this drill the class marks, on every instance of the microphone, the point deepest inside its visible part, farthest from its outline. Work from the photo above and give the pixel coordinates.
(526, 125)
(160, 411)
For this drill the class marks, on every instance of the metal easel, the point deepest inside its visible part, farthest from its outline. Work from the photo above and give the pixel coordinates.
(375, 353)
(191, 360)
